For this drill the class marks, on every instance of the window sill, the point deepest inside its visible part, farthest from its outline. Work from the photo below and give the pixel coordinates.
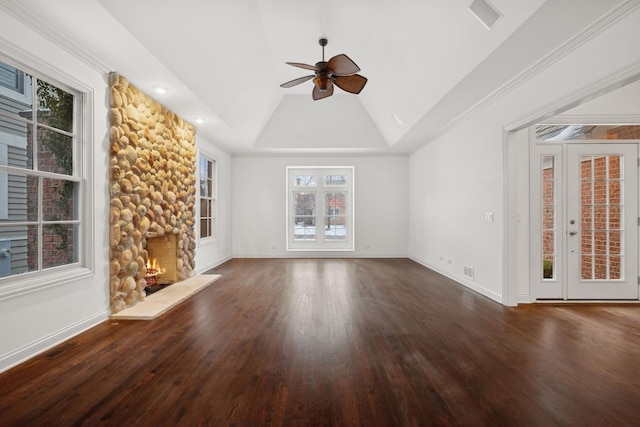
(20, 285)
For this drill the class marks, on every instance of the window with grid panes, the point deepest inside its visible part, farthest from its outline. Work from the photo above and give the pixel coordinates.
(320, 208)
(40, 173)
(208, 207)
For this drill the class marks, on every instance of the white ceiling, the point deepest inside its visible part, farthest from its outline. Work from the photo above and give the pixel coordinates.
(427, 62)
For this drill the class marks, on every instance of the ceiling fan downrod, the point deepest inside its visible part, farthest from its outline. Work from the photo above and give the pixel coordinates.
(323, 75)
(323, 42)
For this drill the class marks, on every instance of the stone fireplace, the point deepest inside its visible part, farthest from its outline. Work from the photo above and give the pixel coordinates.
(152, 193)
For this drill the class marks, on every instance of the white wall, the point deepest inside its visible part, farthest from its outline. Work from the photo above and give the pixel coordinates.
(34, 322)
(455, 181)
(259, 211)
(212, 252)
(459, 176)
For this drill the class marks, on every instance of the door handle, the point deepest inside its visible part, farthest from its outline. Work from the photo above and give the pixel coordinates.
(573, 233)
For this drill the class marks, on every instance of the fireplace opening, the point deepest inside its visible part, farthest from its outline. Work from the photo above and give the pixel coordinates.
(154, 271)
(162, 263)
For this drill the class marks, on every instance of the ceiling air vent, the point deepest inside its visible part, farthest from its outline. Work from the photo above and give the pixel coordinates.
(485, 13)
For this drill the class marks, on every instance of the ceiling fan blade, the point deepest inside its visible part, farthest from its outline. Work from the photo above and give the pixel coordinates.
(297, 81)
(342, 65)
(300, 65)
(317, 94)
(352, 84)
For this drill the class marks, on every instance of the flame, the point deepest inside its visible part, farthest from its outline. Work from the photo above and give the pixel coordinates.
(154, 268)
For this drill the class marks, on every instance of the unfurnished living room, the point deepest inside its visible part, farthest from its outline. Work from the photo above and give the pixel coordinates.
(362, 212)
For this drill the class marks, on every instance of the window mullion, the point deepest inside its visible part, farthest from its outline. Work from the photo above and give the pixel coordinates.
(34, 121)
(40, 218)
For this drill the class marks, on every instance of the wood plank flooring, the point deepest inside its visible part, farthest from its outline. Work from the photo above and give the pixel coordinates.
(305, 342)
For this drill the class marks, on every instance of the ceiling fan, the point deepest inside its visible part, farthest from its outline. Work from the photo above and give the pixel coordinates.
(339, 70)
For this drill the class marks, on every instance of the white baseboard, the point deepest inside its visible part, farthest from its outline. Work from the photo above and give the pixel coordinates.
(464, 282)
(214, 265)
(525, 299)
(22, 354)
(329, 254)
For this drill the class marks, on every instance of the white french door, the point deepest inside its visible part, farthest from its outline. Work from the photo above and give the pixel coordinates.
(587, 226)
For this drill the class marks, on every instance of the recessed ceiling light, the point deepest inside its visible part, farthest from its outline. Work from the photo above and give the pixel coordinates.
(160, 89)
(397, 119)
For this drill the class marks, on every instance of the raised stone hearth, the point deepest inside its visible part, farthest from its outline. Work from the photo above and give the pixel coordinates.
(152, 190)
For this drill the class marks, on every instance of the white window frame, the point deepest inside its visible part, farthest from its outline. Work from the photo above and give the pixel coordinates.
(213, 199)
(319, 244)
(16, 285)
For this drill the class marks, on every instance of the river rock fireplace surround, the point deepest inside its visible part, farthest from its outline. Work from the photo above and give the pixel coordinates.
(152, 191)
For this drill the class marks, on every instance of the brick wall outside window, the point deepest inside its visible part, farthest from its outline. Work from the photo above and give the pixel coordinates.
(53, 253)
(600, 237)
(624, 132)
(548, 225)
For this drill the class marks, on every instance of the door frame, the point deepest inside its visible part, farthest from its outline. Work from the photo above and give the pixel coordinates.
(559, 287)
(512, 144)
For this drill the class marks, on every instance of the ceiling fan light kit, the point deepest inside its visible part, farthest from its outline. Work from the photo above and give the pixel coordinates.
(340, 71)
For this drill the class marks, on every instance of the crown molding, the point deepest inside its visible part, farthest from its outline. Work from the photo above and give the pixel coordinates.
(31, 18)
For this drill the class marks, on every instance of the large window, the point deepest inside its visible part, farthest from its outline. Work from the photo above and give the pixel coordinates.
(208, 196)
(40, 174)
(320, 208)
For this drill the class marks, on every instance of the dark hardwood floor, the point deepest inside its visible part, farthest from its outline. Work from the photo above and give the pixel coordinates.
(339, 343)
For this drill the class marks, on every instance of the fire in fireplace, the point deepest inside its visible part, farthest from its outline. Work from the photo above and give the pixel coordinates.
(154, 271)
(162, 264)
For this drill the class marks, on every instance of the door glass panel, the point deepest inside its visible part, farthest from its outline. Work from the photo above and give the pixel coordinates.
(586, 190)
(548, 217)
(587, 216)
(615, 242)
(600, 243)
(615, 272)
(586, 267)
(601, 212)
(614, 191)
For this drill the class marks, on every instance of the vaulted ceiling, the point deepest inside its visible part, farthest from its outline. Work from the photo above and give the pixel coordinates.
(429, 63)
